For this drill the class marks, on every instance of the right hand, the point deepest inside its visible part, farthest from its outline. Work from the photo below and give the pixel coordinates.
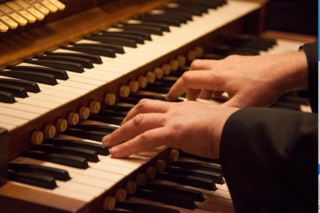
(250, 81)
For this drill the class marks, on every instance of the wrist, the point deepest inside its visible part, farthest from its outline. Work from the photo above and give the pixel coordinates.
(224, 114)
(295, 68)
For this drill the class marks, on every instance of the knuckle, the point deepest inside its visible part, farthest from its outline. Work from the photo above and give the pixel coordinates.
(194, 64)
(137, 121)
(145, 138)
(233, 57)
(186, 77)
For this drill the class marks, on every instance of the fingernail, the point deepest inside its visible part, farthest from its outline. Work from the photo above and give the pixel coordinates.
(106, 139)
(114, 151)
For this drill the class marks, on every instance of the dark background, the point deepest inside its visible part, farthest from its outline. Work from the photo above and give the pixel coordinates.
(294, 16)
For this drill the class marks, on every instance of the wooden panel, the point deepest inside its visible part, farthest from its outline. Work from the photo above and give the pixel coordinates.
(3, 155)
(17, 48)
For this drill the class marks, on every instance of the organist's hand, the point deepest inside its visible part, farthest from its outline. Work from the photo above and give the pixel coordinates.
(193, 127)
(249, 80)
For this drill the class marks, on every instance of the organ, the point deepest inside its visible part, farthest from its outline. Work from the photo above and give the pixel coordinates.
(64, 66)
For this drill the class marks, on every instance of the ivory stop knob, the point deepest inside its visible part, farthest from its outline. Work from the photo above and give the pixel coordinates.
(174, 65)
(37, 137)
(181, 60)
(160, 165)
(62, 125)
(151, 77)
(141, 179)
(120, 195)
(73, 118)
(199, 51)
(159, 73)
(50, 131)
(131, 187)
(191, 55)
(151, 172)
(109, 203)
(124, 91)
(174, 155)
(110, 99)
(166, 69)
(143, 82)
(94, 107)
(84, 113)
(134, 86)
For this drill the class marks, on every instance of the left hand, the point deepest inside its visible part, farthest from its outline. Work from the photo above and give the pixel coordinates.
(193, 127)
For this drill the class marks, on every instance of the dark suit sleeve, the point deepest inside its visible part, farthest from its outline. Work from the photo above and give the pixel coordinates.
(269, 159)
(311, 51)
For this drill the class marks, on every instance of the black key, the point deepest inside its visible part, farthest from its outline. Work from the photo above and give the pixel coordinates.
(157, 89)
(115, 48)
(119, 108)
(108, 119)
(92, 50)
(146, 29)
(94, 58)
(75, 67)
(33, 179)
(114, 40)
(89, 155)
(209, 160)
(99, 128)
(99, 148)
(130, 100)
(161, 19)
(180, 14)
(144, 35)
(206, 4)
(180, 17)
(199, 166)
(92, 135)
(153, 97)
(198, 182)
(168, 16)
(7, 97)
(176, 190)
(67, 160)
(15, 90)
(203, 9)
(58, 73)
(145, 208)
(86, 63)
(113, 113)
(29, 86)
(166, 198)
(163, 27)
(216, 177)
(58, 174)
(188, 11)
(31, 76)
(138, 39)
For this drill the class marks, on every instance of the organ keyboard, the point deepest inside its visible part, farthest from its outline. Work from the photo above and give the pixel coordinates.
(69, 80)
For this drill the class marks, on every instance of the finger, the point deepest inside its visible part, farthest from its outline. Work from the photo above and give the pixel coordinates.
(134, 127)
(235, 101)
(202, 64)
(195, 80)
(147, 106)
(206, 94)
(192, 94)
(202, 80)
(147, 140)
(176, 90)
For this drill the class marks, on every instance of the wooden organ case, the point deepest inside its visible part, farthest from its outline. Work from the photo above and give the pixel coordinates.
(72, 22)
